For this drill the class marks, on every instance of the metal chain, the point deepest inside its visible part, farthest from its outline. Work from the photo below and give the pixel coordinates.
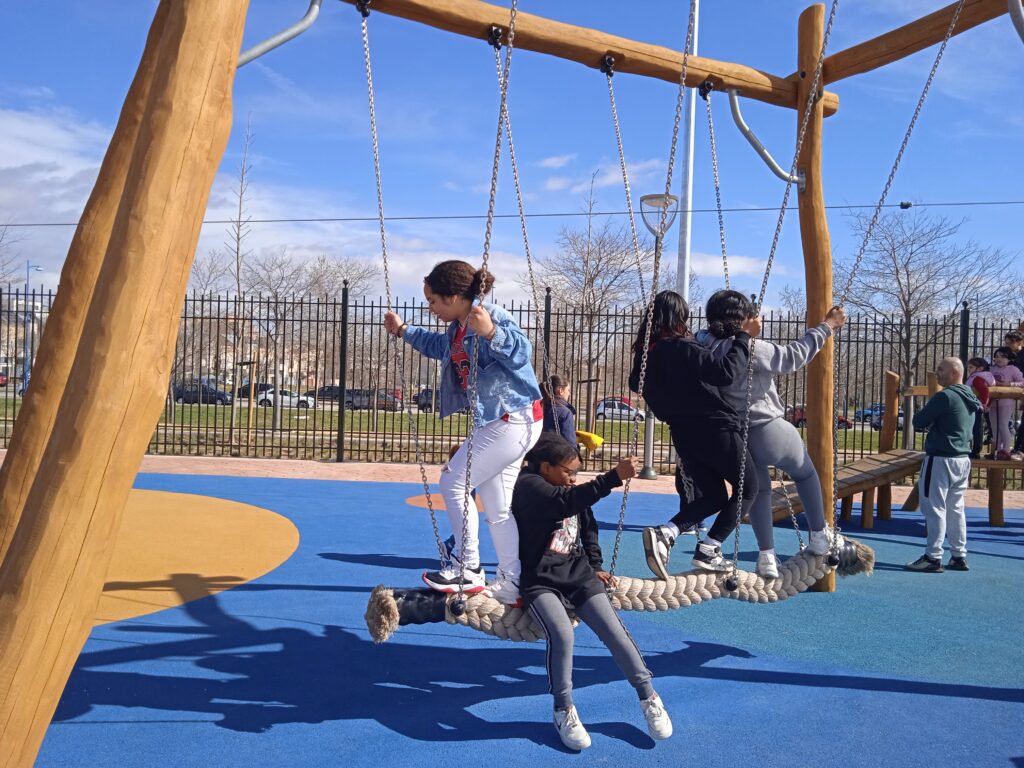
(608, 67)
(496, 42)
(634, 436)
(472, 394)
(844, 295)
(705, 92)
(812, 100)
(396, 345)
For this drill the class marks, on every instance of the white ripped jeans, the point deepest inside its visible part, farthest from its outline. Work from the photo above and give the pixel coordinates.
(498, 450)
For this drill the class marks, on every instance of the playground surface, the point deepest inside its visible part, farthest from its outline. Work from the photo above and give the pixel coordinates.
(241, 642)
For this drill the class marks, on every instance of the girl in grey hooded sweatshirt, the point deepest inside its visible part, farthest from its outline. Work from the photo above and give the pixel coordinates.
(772, 441)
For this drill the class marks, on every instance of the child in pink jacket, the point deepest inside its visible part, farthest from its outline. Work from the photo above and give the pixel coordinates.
(1006, 375)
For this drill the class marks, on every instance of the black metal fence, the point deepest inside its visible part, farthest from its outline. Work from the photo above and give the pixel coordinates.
(232, 349)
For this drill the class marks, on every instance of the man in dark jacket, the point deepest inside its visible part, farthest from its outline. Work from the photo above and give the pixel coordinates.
(949, 417)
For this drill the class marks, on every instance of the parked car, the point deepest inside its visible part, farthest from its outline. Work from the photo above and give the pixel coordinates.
(795, 415)
(424, 400)
(285, 398)
(3, 378)
(867, 413)
(328, 392)
(203, 393)
(615, 408)
(876, 422)
(386, 401)
(244, 390)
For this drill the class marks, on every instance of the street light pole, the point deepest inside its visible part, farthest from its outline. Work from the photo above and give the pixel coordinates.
(658, 212)
(28, 309)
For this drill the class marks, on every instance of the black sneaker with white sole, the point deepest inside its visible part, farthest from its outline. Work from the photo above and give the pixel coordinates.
(447, 579)
(925, 564)
(658, 543)
(709, 558)
(957, 564)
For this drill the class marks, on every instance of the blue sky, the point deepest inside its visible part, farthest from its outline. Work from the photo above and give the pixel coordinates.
(67, 66)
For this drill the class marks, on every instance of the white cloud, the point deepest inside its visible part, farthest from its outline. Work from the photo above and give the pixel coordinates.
(557, 183)
(556, 161)
(710, 265)
(610, 175)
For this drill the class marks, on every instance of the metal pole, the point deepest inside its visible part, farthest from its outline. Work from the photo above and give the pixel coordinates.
(648, 472)
(342, 373)
(547, 332)
(686, 182)
(965, 323)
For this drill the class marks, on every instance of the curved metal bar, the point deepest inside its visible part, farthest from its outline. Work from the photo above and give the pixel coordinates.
(734, 104)
(1016, 8)
(282, 37)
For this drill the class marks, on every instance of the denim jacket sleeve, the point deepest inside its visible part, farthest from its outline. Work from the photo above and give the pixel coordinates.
(433, 344)
(510, 347)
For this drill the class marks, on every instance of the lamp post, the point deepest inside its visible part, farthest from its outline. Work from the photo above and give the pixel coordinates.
(28, 309)
(658, 212)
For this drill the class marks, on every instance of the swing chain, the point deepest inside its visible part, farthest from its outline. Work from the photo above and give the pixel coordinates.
(812, 100)
(396, 345)
(705, 91)
(635, 435)
(472, 393)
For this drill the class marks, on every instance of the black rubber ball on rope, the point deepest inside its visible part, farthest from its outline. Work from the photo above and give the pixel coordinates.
(832, 559)
(731, 584)
(458, 607)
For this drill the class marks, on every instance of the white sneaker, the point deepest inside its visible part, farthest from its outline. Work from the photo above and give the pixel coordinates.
(767, 565)
(447, 579)
(571, 730)
(658, 723)
(504, 590)
(709, 558)
(819, 543)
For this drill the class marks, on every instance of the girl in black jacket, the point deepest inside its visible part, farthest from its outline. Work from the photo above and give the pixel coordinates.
(562, 569)
(681, 388)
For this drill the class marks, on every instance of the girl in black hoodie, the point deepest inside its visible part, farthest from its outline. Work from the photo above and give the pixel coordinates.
(562, 569)
(681, 388)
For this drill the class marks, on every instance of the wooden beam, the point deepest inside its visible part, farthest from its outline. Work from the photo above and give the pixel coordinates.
(57, 562)
(908, 39)
(473, 18)
(817, 267)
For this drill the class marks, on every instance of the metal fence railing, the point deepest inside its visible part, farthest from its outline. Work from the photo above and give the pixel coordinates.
(336, 350)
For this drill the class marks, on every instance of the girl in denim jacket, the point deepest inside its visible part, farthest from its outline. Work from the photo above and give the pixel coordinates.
(507, 418)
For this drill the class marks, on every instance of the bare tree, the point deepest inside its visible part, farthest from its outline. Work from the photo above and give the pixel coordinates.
(793, 300)
(914, 269)
(8, 270)
(209, 273)
(239, 229)
(326, 274)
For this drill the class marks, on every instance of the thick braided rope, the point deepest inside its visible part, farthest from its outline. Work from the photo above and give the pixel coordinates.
(796, 575)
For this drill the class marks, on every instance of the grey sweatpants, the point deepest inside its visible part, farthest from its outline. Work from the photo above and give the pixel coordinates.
(778, 444)
(942, 484)
(598, 614)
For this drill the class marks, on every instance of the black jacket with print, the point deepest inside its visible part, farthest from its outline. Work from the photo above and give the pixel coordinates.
(542, 511)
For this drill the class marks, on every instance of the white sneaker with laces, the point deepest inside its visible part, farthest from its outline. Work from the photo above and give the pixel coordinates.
(504, 589)
(767, 565)
(571, 730)
(659, 725)
(447, 579)
(819, 542)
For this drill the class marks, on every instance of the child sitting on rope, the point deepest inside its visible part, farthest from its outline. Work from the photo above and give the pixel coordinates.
(773, 441)
(563, 569)
(681, 388)
(507, 418)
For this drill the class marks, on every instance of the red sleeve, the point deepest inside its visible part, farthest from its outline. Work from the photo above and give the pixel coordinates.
(981, 390)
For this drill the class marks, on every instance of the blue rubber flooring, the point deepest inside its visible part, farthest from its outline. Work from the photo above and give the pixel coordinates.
(900, 669)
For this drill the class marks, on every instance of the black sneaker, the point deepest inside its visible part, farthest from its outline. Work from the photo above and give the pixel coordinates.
(447, 579)
(957, 564)
(925, 564)
(709, 558)
(658, 543)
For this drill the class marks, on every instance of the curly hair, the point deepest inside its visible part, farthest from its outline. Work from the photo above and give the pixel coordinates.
(727, 311)
(458, 278)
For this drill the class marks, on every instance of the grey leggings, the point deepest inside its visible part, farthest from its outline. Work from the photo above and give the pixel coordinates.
(598, 614)
(778, 444)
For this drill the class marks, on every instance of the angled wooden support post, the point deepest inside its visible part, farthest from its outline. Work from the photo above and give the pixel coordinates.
(817, 263)
(887, 438)
(166, 158)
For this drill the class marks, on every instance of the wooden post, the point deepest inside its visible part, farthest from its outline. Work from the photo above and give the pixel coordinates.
(996, 482)
(847, 509)
(867, 508)
(53, 573)
(817, 264)
(64, 326)
(887, 438)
